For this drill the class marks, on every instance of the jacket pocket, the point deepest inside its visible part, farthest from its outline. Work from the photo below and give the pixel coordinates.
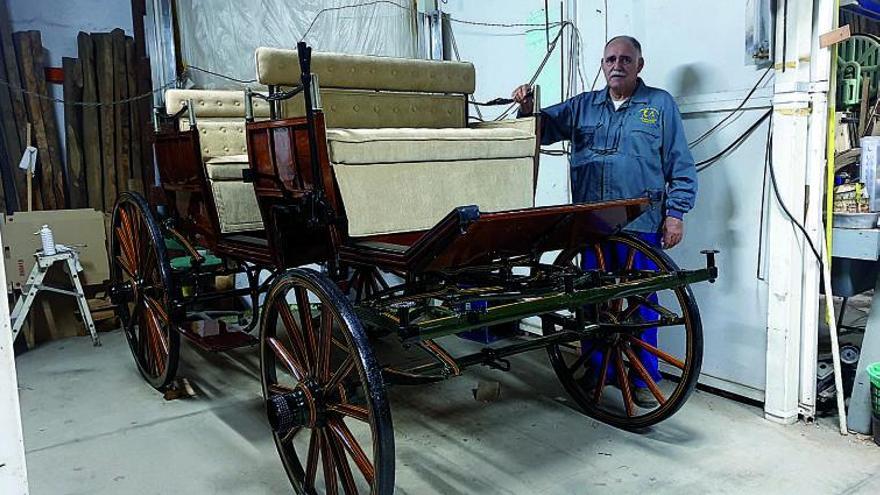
(645, 142)
(584, 136)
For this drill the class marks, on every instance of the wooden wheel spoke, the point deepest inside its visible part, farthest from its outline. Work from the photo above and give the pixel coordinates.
(581, 359)
(603, 376)
(305, 318)
(354, 449)
(600, 257)
(639, 368)
(342, 465)
(151, 350)
(161, 346)
(154, 305)
(630, 259)
(291, 434)
(123, 263)
(150, 267)
(344, 369)
(279, 389)
(340, 345)
(286, 358)
(326, 343)
(125, 246)
(293, 331)
(625, 388)
(312, 461)
(329, 464)
(655, 307)
(669, 358)
(351, 411)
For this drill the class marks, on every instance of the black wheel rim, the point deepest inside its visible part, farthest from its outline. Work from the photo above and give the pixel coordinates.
(591, 374)
(312, 345)
(140, 269)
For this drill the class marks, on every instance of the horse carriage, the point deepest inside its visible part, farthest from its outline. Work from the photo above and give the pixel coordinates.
(380, 213)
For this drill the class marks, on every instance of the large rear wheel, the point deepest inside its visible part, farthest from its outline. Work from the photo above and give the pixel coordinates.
(141, 286)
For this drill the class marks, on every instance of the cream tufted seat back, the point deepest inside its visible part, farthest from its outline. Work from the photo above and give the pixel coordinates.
(221, 126)
(359, 91)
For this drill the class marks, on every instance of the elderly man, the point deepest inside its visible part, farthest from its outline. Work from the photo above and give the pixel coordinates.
(627, 142)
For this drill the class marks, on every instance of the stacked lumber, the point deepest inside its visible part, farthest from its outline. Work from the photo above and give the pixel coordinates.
(106, 128)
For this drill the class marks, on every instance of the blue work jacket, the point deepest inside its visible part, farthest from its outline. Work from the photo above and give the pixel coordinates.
(635, 151)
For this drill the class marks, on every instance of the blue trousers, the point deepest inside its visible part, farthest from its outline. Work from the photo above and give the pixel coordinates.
(616, 257)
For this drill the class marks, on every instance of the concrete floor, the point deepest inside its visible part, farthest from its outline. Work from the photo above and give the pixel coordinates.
(92, 426)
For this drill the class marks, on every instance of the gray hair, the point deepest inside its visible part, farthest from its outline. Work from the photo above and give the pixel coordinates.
(632, 41)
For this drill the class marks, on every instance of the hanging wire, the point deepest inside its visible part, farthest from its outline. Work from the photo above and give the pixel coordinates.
(62, 101)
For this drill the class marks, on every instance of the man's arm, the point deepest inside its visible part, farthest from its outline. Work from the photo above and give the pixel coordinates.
(678, 165)
(680, 174)
(557, 121)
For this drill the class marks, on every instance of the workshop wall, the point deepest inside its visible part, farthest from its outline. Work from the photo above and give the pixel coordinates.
(59, 22)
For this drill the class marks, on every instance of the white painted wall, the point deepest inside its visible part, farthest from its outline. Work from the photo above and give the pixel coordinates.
(701, 62)
(59, 22)
(507, 57)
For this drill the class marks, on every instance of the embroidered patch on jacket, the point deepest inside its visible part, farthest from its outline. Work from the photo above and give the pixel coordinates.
(650, 115)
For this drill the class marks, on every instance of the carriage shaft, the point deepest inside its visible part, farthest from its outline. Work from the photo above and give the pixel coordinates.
(439, 327)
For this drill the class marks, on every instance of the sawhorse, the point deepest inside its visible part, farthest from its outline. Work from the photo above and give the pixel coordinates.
(34, 285)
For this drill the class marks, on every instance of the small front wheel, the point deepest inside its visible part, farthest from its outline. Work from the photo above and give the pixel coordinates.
(324, 393)
(616, 376)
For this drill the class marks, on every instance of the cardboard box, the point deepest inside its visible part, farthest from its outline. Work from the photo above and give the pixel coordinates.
(82, 228)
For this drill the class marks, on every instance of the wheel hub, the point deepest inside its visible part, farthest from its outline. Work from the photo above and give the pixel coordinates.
(123, 292)
(301, 407)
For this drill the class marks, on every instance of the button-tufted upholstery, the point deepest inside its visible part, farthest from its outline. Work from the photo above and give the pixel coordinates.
(220, 124)
(280, 67)
(213, 103)
(402, 153)
(354, 108)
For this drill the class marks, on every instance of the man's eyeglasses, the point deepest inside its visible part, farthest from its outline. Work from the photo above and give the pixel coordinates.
(614, 140)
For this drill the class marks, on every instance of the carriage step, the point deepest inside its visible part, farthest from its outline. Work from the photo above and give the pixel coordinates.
(225, 341)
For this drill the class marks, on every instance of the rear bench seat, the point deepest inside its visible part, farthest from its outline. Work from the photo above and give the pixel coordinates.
(220, 121)
(398, 141)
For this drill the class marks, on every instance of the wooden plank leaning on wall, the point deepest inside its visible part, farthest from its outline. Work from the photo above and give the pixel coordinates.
(92, 155)
(73, 131)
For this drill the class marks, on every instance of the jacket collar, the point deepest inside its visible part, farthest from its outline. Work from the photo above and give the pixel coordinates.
(640, 95)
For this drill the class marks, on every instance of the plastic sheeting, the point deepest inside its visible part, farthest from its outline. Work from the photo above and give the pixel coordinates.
(221, 35)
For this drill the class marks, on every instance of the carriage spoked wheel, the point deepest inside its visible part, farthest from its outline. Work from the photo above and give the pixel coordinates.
(614, 377)
(325, 397)
(141, 288)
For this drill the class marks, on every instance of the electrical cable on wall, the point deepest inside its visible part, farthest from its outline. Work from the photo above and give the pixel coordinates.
(714, 128)
(781, 203)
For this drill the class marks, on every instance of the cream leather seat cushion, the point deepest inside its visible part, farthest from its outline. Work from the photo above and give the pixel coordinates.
(237, 207)
(371, 146)
(227, 167)
(236, 202)
(404, 197)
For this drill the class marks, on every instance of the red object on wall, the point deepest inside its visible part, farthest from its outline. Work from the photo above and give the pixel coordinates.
(54, 75)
